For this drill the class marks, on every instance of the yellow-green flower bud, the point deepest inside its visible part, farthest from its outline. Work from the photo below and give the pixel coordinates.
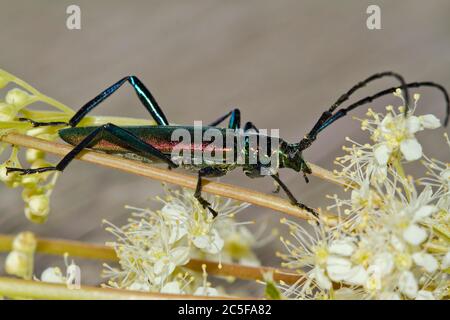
(7, 112)
(3, 82)
(39, 163)
(31, 180)
(25, 242)
(27, 193)
(33, 154)
(17, 97)
(10, 179)
(38, 208)
(19, 264)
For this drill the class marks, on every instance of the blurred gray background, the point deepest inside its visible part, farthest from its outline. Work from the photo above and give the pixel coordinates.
(281, 62)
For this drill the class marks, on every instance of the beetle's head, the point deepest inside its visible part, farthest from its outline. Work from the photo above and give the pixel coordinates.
(292, 158)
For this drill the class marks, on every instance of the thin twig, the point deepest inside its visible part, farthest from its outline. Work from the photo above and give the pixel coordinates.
(18, 288)
(101, 252)
(169, 176)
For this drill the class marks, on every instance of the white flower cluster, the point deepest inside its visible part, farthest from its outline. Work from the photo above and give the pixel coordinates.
(392, 237)
(155, 245)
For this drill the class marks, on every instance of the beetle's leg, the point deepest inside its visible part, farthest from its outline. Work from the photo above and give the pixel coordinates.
(292, 198)
(43, 124)
(276, 184)
(233, 123)
(142, 92)
(204, 172)
(131, 141)
(311, 136)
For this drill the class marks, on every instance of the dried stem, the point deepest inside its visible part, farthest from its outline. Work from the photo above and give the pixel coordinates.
(28, 289)
(101, 252)
(169, 176)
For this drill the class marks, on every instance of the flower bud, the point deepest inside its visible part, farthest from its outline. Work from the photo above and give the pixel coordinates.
(27, 193)
(39, 163)
(10, 179)
(31, 180)
(19, 264)
(3, 82)
(38, 208)
(52, 275)
(7, 112)
(17, 97)
(25, 242)
(33, 155)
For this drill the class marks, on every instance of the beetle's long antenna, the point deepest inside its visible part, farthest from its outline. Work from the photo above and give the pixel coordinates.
(342, 112)
(344, 97)
(363, 83)
(311, 136)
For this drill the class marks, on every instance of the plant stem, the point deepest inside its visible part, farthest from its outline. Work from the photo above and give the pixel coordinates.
(18, 288)
(169, 176)
(101, 252)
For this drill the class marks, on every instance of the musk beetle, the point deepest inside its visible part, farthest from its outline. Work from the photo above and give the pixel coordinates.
(153, 143)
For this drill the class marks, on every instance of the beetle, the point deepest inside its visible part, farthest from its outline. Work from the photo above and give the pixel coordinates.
(153, 143)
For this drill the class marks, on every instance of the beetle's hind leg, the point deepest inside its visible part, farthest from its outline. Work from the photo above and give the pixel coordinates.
(133, 142)
(291, 197)
(205, 172)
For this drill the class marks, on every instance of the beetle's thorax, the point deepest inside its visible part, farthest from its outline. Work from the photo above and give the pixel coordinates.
(291, 157)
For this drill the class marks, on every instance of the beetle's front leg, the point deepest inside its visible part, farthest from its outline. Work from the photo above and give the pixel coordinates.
(291, 197)
(276, 184)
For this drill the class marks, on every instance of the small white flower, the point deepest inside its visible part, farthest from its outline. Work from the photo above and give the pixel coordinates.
(338, 268)
(395, 132)
(321, 279)
(424, 212)
(166, 263)
(397, 243)
(211, 243)
(414, 235)
(426, 261)
(357, 276)
(344, 247)
(411, 149)
(382, 153)
(407, 284)
(384, 263)
(430, 121)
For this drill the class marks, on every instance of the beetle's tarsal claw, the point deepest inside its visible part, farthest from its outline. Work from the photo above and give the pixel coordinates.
(277, 189)
(213, 212)
(206, 205)
(305, 177)
(306, 208)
